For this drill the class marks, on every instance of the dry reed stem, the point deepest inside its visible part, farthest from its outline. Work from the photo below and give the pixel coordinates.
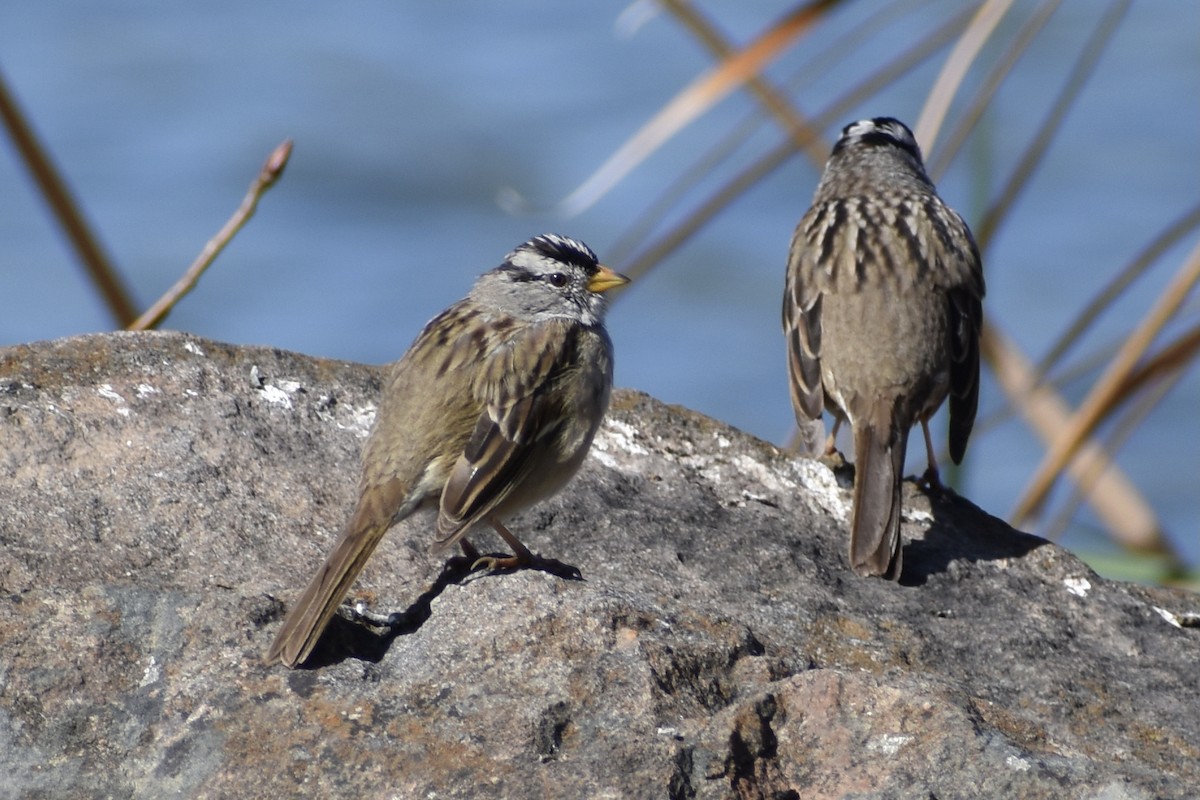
(978, 31)
(267, 176)
(717, 202)
(774, 101)
(981, 100)
(1115, 499)
(1173, 358)
(1107, 390)
(1031, 158)
(695, 99)
(1124, 278)
(1088, 473)
(66, 210)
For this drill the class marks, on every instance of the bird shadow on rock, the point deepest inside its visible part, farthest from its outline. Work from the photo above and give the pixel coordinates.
(961, 531)
(368, 636)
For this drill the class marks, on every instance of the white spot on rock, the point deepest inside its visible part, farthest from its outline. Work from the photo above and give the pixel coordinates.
(603, 457)
(106, 391)
(888, 743)
(764, 475)
(822, 486)
(623, 436)
(276, 396)
(917, 515)
(152, 672)
(615, 436)
(1078, 586)
(1017, 763)
(361, 420)
(1168, 616)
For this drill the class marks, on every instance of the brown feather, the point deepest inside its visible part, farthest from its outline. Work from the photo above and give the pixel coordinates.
(320, 599)
(875, 519)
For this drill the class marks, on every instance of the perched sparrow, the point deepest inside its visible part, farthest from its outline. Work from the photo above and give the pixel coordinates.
(882, 313)
(492, 408)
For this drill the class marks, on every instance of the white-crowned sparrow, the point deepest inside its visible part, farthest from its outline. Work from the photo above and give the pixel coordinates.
(882, 314)
(491, 409)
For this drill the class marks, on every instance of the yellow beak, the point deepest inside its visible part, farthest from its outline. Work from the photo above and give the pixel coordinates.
(606, 279)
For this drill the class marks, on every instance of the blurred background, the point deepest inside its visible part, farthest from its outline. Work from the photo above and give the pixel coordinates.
(430, 138)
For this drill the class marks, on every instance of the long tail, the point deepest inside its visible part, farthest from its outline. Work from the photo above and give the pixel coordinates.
(316, 606)
(875, 520)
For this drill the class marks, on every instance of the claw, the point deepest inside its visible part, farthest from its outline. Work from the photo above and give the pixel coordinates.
(932, 481)
(523, 559)
(491, 563)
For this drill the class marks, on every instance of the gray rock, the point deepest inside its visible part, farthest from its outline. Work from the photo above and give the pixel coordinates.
(167, 496)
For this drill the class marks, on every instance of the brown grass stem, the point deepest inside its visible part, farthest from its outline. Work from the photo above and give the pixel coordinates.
(692, 101)
(1089, 473)
(1113, 290)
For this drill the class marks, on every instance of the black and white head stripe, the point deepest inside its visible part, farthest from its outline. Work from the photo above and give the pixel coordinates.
(879, 132)
(555, 248)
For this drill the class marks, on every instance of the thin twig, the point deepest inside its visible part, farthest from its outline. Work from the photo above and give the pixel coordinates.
(270, 173)
(66, 210)
(706, 165)
(1172, 358)
(678, 190)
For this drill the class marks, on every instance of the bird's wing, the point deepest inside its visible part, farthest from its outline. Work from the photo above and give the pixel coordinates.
(966, 321)
(802, 319)
(514, 385)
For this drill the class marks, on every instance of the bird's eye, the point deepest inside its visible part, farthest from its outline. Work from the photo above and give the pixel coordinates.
(557, 279)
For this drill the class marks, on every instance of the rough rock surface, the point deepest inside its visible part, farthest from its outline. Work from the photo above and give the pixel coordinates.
(165, 498)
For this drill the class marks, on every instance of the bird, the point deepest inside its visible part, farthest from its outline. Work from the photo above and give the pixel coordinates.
(492, 408)
(882, 311)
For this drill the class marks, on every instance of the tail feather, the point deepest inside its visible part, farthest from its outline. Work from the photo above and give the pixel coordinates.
(875, 520)
(316, 606)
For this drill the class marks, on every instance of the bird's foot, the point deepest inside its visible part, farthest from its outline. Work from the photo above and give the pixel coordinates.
(493, 563)
(833, 459)
(490, 564)
(359, 611)
(931, 480)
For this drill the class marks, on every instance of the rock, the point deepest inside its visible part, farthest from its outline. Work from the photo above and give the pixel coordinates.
(168, 496)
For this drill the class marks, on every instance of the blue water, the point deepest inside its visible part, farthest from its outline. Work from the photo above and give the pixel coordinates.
(410, 118)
